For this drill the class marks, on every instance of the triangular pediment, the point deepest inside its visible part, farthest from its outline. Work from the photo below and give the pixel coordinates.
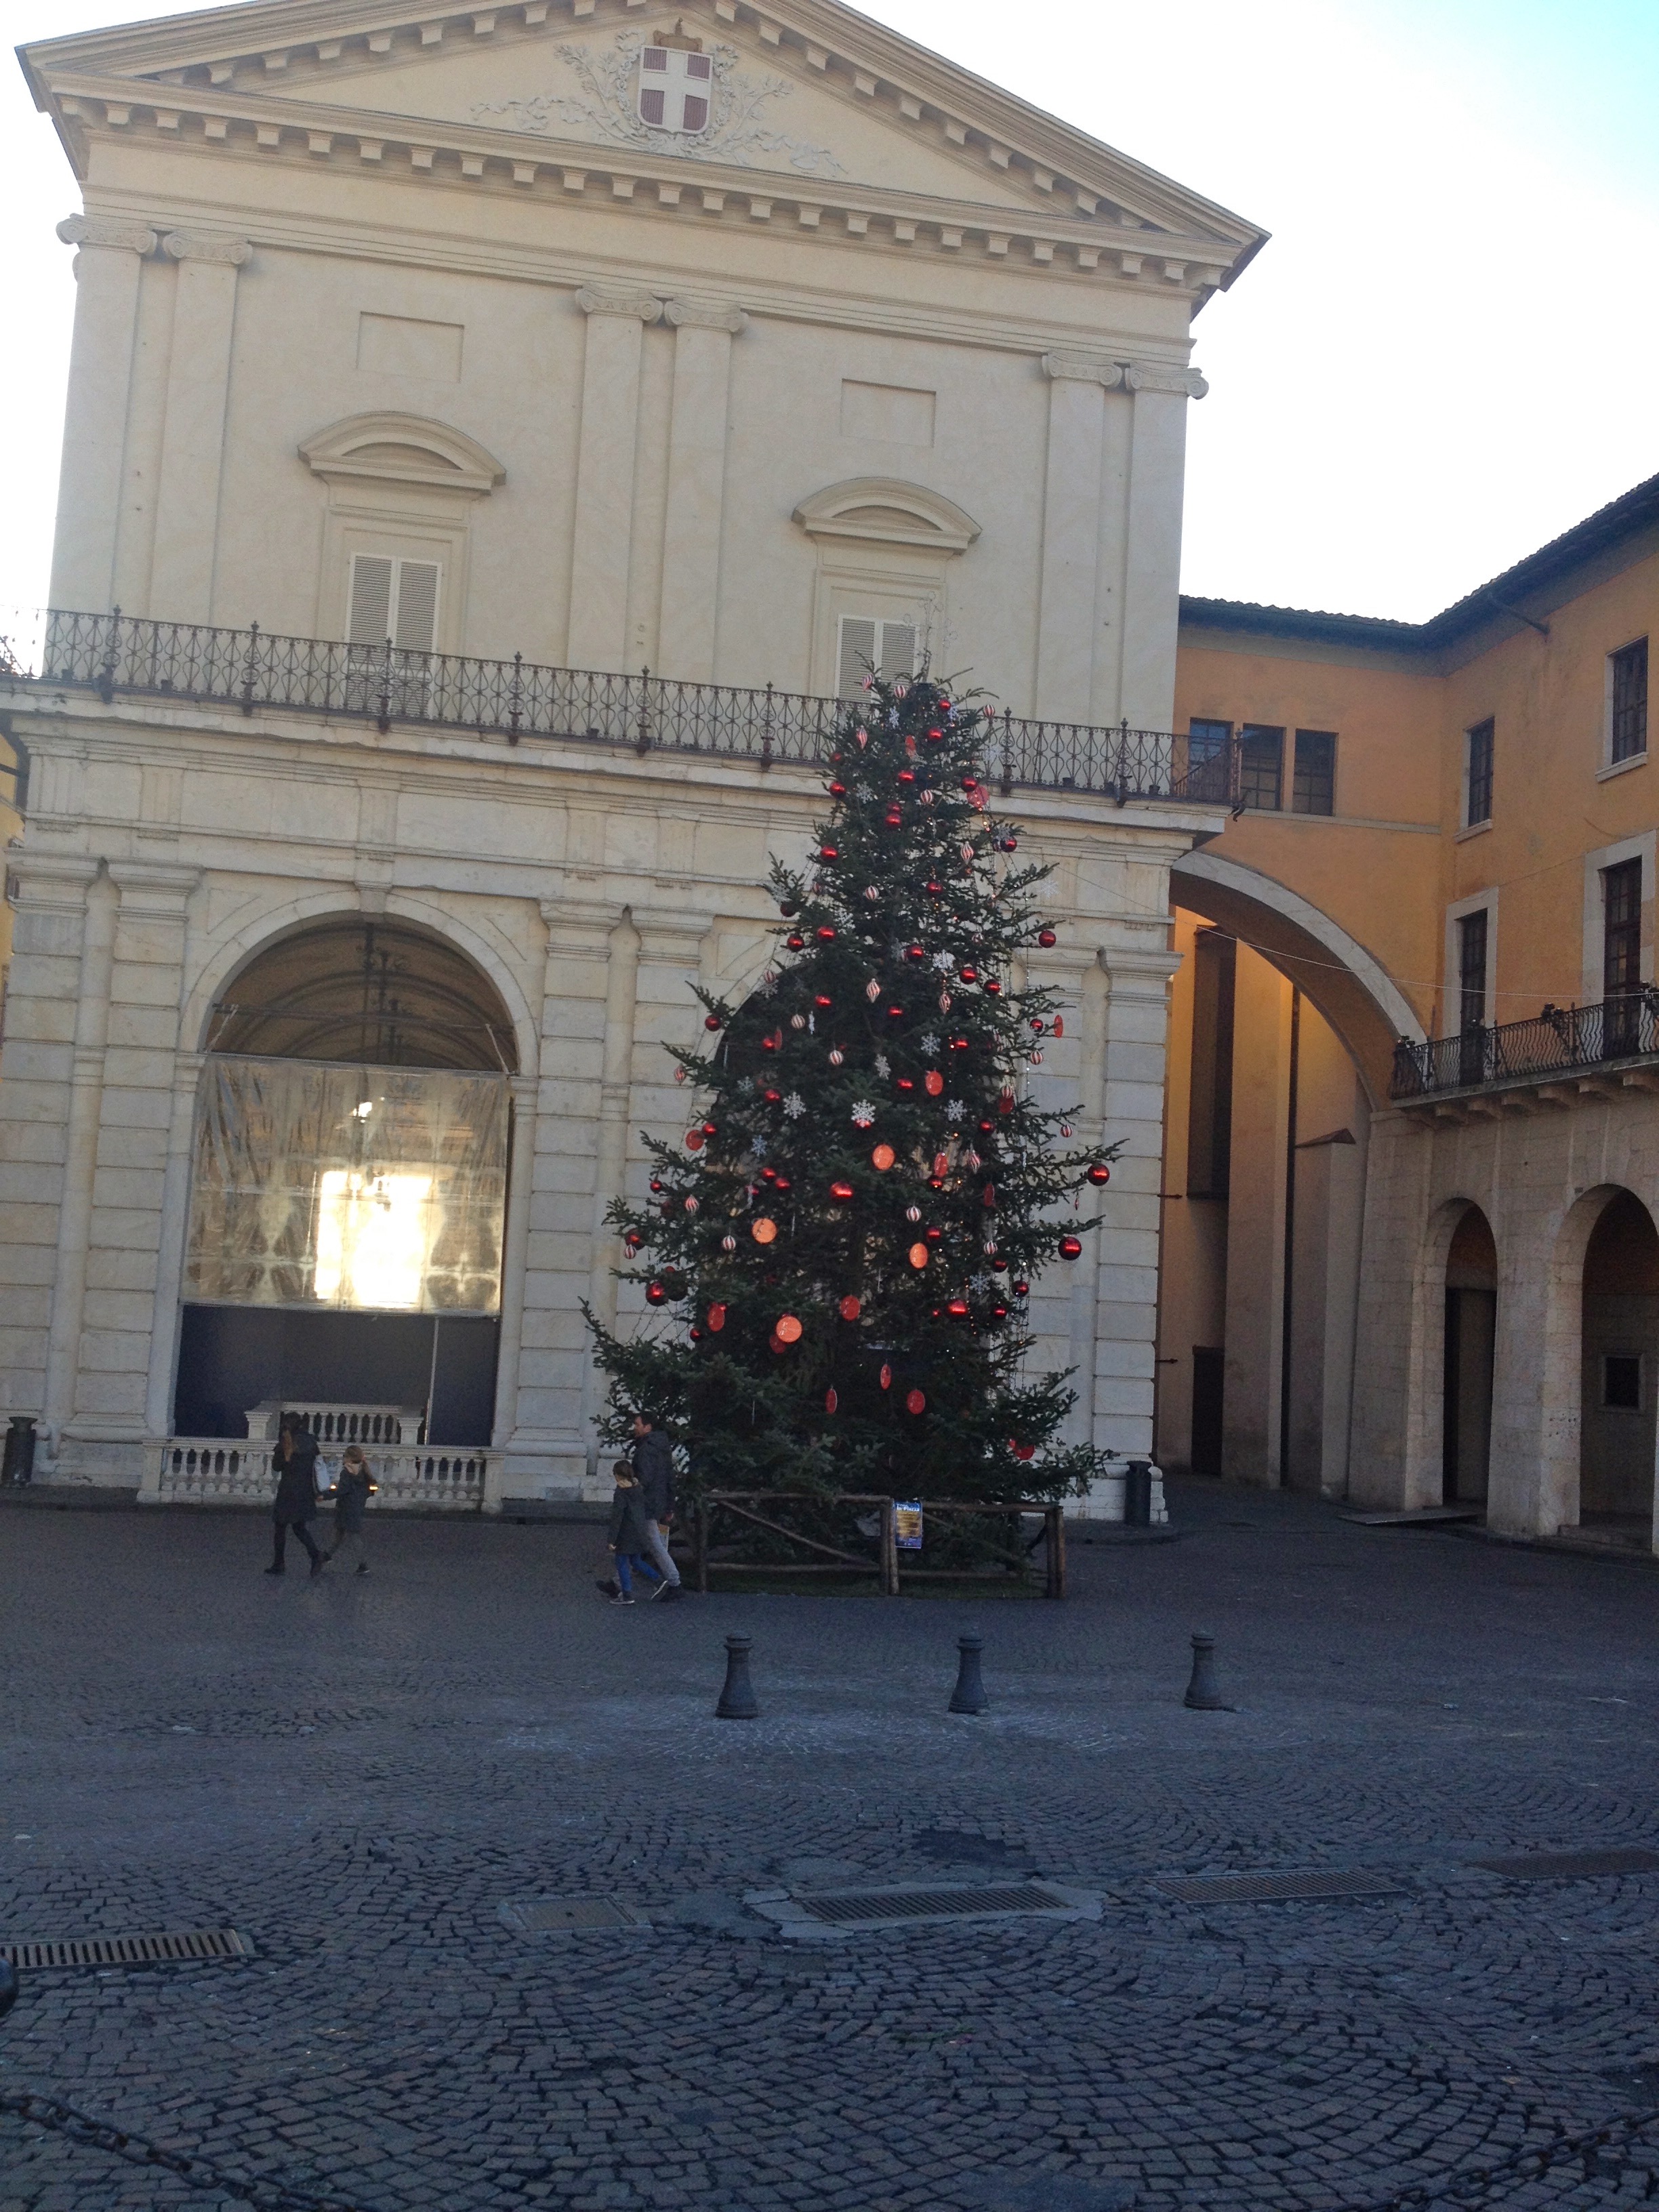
(808, 90)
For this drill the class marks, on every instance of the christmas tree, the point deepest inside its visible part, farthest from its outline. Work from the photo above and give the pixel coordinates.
(841, 1246)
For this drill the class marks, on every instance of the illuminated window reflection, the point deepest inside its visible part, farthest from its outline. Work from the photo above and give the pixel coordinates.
(373, 1235)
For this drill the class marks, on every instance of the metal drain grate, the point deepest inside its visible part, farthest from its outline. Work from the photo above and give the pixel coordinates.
(840, 1907)
(1566, 1866)
(130, 1950)
(1269, 1888)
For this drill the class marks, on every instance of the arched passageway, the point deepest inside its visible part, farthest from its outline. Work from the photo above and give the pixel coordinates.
(1471, 1344)
(349, 1187)
(1621, 1365)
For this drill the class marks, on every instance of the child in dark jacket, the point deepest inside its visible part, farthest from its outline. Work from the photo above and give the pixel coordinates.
(630, 1537)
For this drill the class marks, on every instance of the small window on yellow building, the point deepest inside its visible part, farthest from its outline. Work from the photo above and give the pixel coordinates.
(1629, 701)
(1478, 747)
(1313, 788)
(1261, 766)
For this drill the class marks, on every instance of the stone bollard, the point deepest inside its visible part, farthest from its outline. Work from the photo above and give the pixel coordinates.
(969, 1696)
(738, 1700)
(1203, 1693)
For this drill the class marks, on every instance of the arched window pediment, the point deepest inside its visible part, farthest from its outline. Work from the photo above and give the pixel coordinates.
(387, 447)
(885, 510)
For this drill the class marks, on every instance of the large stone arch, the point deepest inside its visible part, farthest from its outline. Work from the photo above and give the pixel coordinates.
(1348, 984)
(243, 942)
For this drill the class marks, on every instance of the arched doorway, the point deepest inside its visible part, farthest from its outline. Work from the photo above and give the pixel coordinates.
(1471, 1345)
(348, 1189)
(1620, 1340)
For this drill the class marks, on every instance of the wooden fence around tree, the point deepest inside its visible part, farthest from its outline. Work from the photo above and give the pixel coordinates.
(831, 1559)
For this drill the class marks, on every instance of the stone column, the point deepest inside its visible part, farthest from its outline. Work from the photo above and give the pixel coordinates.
(107, 269)
(703, 331)
(1135, 1032)
(193, 434)
(597, 635)
(1151, 584)
(541, 1421)
(130, 1186)
(515, 1255)
(170, 1260)
(79, 1154)
(1071, 533)
(61, 937)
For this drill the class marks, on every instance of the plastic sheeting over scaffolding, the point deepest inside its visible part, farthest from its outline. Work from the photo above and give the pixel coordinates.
(364, 1188)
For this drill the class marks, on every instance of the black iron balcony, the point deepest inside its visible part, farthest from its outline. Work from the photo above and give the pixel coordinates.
(252, 670)
(1559, 1040)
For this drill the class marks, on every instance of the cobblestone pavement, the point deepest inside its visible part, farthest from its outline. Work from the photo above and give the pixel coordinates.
(362, 1773)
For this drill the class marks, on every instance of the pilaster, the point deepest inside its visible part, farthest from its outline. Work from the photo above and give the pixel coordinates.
(192, 439)
(107, 269)
(703, 332)
(1069, 582)
(598, 634)
(1152, 585)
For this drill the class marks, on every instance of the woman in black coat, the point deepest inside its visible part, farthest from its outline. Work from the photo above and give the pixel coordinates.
(295, 1461)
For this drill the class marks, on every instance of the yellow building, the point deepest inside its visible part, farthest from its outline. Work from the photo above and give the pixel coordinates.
(1411, 1159)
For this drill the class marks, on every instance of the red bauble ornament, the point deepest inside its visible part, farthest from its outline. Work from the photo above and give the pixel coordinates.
(694, 1140)
(935, 737)
(1046, 938)
(776, 1343)
(1037, 1027)
(932, 1083)
(1006, 1102)
(970, 784)
(838, 791)
(711, 1021)
(1022, 1290)
(934, 1236)
(886, 1379)
(1070, 1248)
(905, 1083)
(842, 1193)
(957, 1309)
(915, 952)
(826, 935)
(895, 819)
(915, 1402)
(831, 1401)
(822, 1001)
(656, 1183)
(696, 1333)
(849, 1308)
(828, 853)
(795, 941)
(717, 1316)
(971, 975)
(781, 1182)
(773, 1097)
(896, 1014)
(907, 775)
(655, 1295)
(998, 1313)
(934, 890)
(993, 989)
(1100, 1173)
(1023, 1451)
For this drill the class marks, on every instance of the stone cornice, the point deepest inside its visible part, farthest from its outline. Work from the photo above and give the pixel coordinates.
(107, 230)
(205, 246)
(918, 93)
(570, 173)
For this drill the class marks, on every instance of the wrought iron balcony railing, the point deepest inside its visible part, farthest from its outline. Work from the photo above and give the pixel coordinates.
(253, 669)
(1560, 1041)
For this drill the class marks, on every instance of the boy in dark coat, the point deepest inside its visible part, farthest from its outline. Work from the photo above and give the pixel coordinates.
(295, 1461)
(629, 1537)
(352, 1492)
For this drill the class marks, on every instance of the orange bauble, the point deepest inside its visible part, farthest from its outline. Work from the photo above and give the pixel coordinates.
(789, 1329)
(850, 1308)
(883, 1156)
(763, 1230)
(918, 1256)
(932, 1083)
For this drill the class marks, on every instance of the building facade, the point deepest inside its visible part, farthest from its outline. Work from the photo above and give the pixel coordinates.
(495, 440)
(1412, 1172)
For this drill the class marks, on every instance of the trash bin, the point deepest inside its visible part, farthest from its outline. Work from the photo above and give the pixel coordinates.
(1138, 1494)
(18, 1465)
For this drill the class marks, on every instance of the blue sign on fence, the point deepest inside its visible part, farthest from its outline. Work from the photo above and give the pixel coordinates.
(907, 1527)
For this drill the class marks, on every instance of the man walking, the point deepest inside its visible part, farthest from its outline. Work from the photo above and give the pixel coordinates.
(295, 1461)
(654, 1470)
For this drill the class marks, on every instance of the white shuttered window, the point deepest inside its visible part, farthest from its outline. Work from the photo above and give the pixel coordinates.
(888, 646)
(393, 599)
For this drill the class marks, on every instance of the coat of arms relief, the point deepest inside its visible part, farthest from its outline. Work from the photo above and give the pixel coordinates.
(649, 93)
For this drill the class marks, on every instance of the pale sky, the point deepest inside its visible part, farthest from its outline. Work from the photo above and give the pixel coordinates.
(1444, 355)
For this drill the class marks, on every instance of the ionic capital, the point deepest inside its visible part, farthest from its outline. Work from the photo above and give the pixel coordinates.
(595, 299)
(205, 246)
(108, 230)
(1083, 368)
(705, 315)
(1164, 376)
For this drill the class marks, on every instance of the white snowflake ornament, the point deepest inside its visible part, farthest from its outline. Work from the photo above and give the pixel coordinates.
(956, 1109)
(794, 1105)
(884, 1066)
(863, 1112)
